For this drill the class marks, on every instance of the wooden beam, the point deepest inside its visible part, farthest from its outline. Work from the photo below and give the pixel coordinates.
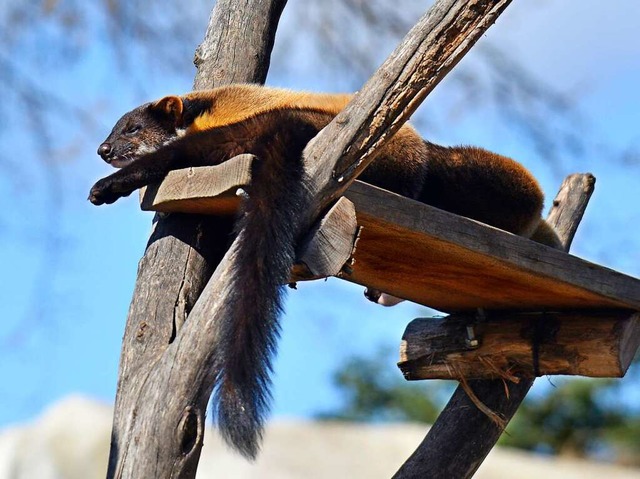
(328, 248)
(177, 376)
(199, 189)
(428, 256)
(464, 265)
(463, 435)
(148, 438)
(509, 345)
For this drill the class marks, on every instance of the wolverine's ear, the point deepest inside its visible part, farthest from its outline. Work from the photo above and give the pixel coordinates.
(169, 105)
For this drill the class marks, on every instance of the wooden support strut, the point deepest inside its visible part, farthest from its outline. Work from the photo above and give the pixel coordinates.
(182, 252)
(166, 374)
(462, 436)
(513, 345)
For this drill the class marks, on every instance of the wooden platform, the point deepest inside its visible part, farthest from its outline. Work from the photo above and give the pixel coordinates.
(427, 255)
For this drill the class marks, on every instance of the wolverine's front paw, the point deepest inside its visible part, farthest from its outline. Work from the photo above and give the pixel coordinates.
(104, 191)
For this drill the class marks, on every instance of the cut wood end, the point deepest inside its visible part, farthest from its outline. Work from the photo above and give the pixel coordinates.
(512, 345)
(207, 189)
(629, 342)
(330, 244)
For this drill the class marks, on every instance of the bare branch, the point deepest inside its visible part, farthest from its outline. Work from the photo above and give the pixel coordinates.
(462, 431)
(177, 379)
(180, 257)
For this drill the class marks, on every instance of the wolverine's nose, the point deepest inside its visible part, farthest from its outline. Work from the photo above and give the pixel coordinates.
(104, 150)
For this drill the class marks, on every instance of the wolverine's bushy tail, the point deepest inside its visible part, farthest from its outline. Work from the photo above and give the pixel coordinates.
(249, 327)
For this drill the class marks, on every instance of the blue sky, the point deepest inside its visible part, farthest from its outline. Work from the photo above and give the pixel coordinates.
(68, 340)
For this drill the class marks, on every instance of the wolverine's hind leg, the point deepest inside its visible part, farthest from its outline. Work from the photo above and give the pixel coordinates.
(483, 186)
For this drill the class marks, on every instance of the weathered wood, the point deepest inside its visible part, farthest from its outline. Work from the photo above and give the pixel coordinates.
(429, 256)
(238, 42)
(342, 150)
(329, 245)
(185, 368)
(148, 440)
(199, 189)
(180, 381)
(462, 436)
(511, 345)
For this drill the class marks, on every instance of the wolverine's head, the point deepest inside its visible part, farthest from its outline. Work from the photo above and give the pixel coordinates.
(143, 131)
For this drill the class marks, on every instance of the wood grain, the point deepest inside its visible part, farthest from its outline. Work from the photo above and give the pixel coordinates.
(511, 345)
(157, 427)
(202, 188)
(430, 256)
(463, 435)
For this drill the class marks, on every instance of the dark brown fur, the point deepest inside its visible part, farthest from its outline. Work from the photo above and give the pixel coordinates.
(207, 128)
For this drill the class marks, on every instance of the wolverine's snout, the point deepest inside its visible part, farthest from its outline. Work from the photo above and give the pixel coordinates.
(104, 150)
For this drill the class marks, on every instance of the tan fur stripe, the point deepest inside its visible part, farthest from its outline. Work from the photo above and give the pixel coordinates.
(236, 103)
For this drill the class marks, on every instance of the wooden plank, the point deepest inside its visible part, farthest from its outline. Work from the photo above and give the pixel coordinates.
(430, 256)
(508, 345)
(200, 190)
(328, 248)
(452, 263)
(479, 410)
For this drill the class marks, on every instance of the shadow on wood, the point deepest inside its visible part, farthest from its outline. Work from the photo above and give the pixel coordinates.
(428, 256)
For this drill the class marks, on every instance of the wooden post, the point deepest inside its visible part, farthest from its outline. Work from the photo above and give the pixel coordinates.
(182, 253)
(509, 345)
(462, 436)
(166, 373)
(466, 271)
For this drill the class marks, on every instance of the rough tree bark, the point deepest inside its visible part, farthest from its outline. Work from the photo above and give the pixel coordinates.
(164, 389)
(511, 344)
(462, 436)
(183, 250)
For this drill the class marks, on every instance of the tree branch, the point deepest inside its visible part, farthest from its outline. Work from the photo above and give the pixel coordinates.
(462, 436)
(238, 43)
(180, 257)
(161, 435)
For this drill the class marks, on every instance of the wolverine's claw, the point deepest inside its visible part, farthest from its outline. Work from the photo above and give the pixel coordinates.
(102, 192)
(94, 198)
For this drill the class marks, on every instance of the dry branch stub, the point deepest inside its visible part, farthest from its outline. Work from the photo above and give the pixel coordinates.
(463, 430)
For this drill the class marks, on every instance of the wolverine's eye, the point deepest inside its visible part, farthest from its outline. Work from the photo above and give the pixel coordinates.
(131, 129)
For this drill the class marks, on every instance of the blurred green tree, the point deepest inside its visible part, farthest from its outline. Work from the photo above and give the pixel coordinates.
(577, 417)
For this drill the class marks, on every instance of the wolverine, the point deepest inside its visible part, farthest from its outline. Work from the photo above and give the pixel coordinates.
(210, 127)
